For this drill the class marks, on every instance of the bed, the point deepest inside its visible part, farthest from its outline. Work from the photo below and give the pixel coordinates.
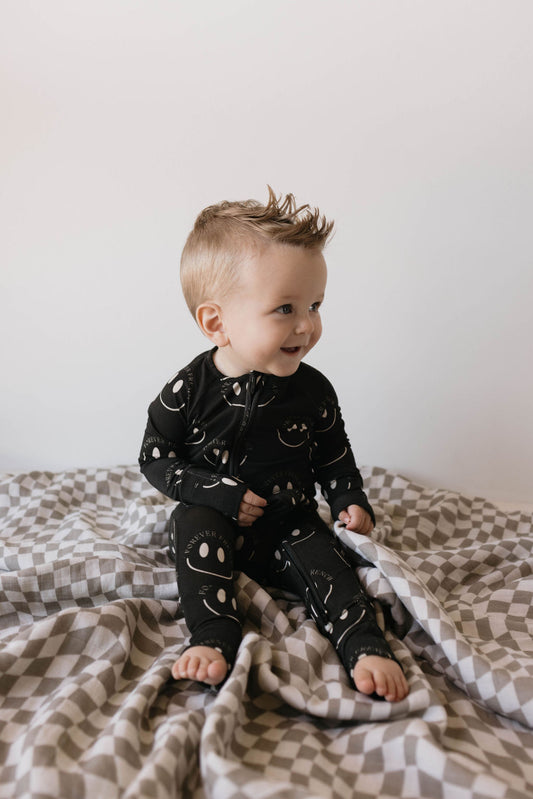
(90, 626)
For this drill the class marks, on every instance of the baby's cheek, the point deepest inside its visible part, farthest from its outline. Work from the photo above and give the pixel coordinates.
(316, 335)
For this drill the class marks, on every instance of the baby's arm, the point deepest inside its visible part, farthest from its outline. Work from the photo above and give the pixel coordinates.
(336, 469)
(164, 460)
(356, 519)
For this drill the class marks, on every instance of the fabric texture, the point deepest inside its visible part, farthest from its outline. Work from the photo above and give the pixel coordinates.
(91, 625)
(210, 437)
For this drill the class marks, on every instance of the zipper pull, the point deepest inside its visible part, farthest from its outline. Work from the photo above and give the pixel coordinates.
(251, 385)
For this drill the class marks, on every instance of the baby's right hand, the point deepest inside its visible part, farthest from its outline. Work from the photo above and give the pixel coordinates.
(250, 509)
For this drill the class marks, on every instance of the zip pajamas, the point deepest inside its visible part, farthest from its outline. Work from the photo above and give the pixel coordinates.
(208, 439)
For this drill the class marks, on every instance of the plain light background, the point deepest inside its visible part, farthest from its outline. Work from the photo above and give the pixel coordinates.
(408, 122)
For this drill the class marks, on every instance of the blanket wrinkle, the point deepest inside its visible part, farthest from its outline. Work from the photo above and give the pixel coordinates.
(90, 626)
(466, 661)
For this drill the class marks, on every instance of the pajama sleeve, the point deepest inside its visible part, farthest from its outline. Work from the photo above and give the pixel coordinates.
(163, 460)
(334, 462)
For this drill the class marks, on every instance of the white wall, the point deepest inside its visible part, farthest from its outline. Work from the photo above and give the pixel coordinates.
(409, 122)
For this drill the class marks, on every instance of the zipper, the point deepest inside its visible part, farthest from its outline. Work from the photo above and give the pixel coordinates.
(250, 407)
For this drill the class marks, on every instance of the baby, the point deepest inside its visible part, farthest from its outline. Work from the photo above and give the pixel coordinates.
(242, 435)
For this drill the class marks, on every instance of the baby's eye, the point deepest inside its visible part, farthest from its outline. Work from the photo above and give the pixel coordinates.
(315, 306)
(284, 309)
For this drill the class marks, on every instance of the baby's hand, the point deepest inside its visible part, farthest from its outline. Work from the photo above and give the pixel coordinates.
(356, 519)
(250, 509)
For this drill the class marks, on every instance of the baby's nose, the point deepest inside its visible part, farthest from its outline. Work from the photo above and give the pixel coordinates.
(304, 324)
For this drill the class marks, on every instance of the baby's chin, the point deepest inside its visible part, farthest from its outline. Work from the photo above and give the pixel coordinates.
(289, 362)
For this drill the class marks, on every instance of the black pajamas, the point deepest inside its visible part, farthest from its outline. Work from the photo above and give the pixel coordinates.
(210, 438)
(305, 559)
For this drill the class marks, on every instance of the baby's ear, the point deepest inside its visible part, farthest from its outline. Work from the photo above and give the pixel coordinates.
(209, 318)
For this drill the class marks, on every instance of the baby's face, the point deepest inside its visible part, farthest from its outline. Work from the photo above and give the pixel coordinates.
(272, 318)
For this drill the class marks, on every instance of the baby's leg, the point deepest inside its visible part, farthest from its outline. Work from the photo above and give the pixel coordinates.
(201, 543)
(311, 562)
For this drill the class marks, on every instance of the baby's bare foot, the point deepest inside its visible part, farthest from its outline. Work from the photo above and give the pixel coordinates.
(201, 663)
(374, 674)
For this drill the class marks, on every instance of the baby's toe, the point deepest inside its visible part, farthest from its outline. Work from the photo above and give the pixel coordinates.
(215, 672)
(383, 683)
(364, 679)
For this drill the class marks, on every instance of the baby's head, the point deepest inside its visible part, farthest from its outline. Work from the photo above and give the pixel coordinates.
(226, 234)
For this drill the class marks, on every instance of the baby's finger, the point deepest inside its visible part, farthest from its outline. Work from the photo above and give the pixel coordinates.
(252, 510)
(364, 527)
(369, 526)
(247, 517)
(243, 520)
(250, 498)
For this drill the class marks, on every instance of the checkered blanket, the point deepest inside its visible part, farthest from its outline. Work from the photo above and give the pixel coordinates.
(90, 626)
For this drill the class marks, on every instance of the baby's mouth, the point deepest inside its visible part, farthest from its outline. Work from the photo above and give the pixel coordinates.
(291, 350)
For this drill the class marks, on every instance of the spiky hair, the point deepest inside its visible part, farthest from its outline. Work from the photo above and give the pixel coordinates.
(224, 233)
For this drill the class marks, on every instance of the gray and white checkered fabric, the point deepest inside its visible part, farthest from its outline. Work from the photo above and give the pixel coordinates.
(90, 626)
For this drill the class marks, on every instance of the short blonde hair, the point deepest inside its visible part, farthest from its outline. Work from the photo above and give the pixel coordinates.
(224, 234)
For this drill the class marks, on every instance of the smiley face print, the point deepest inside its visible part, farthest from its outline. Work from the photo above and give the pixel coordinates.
(293, 433)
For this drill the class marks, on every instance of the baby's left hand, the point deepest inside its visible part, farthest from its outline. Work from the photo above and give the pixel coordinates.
(356, 519)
